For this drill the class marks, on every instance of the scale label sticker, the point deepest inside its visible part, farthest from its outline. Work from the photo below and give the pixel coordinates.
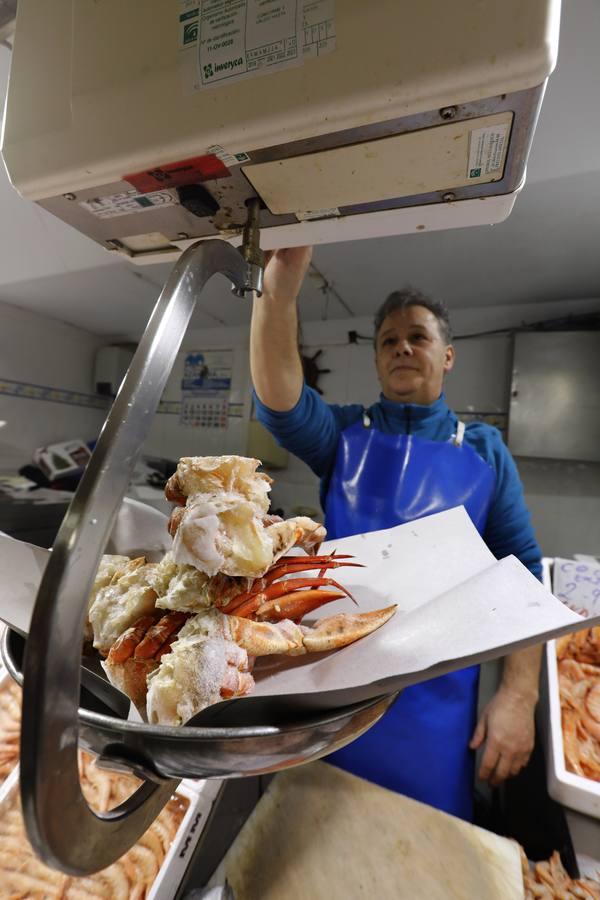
(229, 159)
(487, 150)
(318, 28)
(238, 39)
(188, 24)
(318, 214)
(126, 203)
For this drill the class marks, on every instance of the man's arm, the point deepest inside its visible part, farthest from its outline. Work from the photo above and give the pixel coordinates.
(507, 722)
(275, 362)
(298, 418)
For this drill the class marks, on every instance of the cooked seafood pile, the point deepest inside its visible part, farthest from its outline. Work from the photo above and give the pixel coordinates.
(578, 658)
(132, 876)
(10, 727)
(182, 634)
(549, 881)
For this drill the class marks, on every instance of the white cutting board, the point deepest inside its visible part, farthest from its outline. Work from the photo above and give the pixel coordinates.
(321, 834)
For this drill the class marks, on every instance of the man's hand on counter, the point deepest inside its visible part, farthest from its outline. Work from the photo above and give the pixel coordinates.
(506, 724)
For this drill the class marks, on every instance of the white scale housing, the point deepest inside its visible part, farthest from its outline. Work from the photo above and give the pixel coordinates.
(393, 117)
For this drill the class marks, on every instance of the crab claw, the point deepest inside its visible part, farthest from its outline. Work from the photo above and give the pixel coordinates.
(265, 638)
(331, 633)
(343, 629)
(126, 645)
(280, 600)
(157, 635)
(131, 677)
(301, 565)
(295, 605)
(211, 657)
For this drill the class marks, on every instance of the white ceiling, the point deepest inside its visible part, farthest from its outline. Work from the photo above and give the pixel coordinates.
(547, 250)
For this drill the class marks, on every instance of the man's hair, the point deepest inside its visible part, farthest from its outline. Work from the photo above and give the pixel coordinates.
(411, 297)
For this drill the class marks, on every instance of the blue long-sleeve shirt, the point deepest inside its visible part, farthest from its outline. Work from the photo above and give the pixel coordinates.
(311, 431)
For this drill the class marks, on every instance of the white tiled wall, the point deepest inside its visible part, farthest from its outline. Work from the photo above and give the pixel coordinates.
(42, 351)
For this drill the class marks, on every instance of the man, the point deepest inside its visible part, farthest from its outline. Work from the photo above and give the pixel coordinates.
(406, 456)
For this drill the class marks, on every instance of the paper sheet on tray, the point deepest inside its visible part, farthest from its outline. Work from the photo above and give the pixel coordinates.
(139, 530)
(456, 604)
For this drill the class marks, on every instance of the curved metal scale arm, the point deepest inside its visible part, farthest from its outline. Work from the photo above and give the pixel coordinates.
(62, 828)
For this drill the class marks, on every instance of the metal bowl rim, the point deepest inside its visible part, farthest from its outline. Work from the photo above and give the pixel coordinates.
(183, 733)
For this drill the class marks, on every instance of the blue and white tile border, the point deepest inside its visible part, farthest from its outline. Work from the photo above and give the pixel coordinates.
(26, 391)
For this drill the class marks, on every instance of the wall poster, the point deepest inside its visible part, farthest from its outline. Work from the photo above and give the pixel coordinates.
(205, 388)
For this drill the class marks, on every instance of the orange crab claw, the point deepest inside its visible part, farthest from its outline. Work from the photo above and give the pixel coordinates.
(262, 598)
(332, 633)
(318, 558)
(265, 638)
(166, 647)
(343, 629)
(289, 568)
(156, 636)
(125, 645)
(131, 677)
(295, 605)
(238, 601)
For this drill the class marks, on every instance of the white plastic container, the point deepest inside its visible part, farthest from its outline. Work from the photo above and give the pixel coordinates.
(180, 853)
(200, 794)
(568, 789)
(5, 680)
(175, 863)
(581, 794)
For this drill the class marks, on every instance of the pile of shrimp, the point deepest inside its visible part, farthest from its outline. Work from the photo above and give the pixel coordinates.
(22, 875)
(578, 658)
(549, 881)
(10, 727)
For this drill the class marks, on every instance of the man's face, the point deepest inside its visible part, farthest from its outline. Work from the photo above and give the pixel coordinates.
(411, 357)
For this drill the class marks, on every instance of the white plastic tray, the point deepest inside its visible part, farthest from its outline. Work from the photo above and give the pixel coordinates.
(180, 852)
(174, 865)
(4, 679)
(573, 791)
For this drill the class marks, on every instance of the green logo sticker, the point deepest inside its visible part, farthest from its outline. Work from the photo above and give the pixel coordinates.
(191, 14)
(475, 173)
(190, 33)
(241, 157)
(208, 71)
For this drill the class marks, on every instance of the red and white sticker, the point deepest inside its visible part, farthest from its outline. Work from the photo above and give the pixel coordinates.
(177, 174)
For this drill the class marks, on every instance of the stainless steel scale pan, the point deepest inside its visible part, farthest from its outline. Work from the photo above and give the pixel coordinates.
(64, 831)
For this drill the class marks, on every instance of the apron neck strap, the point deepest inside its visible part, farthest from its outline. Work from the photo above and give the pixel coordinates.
(458, 438)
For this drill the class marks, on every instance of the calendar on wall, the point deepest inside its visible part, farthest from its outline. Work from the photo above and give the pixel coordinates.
(205, 388)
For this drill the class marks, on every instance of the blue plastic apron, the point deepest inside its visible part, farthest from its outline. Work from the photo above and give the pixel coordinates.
(420, 747)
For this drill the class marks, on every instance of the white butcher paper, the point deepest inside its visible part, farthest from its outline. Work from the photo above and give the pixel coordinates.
(456, 603)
